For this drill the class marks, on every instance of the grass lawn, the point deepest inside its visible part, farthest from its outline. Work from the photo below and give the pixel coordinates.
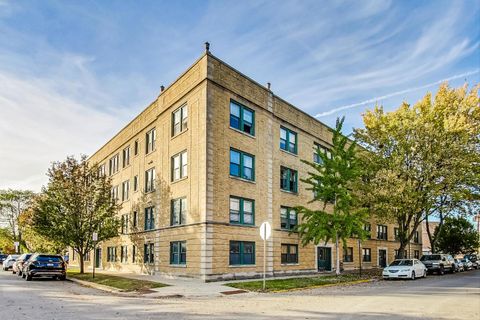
(124, 284)
(295, 283)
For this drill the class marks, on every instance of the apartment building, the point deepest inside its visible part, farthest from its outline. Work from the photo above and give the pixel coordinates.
(198, 171)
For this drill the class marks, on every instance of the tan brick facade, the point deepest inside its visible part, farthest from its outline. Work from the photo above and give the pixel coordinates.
(207, 89)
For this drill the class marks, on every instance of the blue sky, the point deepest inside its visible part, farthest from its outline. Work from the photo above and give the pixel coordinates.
(72, 73)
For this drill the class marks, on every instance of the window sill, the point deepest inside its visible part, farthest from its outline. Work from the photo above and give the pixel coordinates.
(242, 132)
(149, 153)
(290, 192)
(178, 265)
(288, 152)
(234, 224)
(242, 179)
(179, 134)
(181, 179)
(243, 266)
(290, 264)
(125, 167)
(287, 230)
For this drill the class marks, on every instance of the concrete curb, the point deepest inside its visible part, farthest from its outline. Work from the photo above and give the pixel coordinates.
(99, 286)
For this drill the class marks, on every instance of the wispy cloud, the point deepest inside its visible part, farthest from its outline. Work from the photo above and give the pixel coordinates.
(394, 94)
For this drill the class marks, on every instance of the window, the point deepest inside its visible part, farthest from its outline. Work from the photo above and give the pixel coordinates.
(288, 179)
(396, 234)
(289, 253)
(148, 253)
(367, 254)
(134, 253)
(416, 254)
(242, 253)
(101, 170)
(242, 118)
(126, 157)
(397, 254)
(150, 141)
(242, 210)
(288, 218)
(113, 164)
(348, 255)
(111, 254)
(149, 218)
(320, 149)
(241, 165)
(382, 232)
(288, 140)
(135, 219)
(179, 211)
(135, 183)
(86, 257)
(125, 190)
(150, 180)
(179, 166)
(135, 147)
(416, 237)
(123, 254)
(124, 224)
(114, 193)
(178, 252)
(179, 120)
(368, 228)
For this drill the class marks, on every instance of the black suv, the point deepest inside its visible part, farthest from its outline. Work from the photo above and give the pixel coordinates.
(439, 263)
(45, 265)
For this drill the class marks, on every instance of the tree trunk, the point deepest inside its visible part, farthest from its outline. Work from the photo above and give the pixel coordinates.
(337, 269)
(81, 262)
(401, 250)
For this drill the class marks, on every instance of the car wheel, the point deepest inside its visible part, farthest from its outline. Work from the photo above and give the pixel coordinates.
(23, 275)
(19, 273)
(413, 275)
(14, 272)
(441, 271)
(28, 277)
(452, 269)
(63, 278)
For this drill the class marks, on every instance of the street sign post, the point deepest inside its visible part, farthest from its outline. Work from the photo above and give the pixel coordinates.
(265, 233)
(95, 239)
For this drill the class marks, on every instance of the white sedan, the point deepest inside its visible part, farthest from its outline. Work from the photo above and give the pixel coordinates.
(405, 268)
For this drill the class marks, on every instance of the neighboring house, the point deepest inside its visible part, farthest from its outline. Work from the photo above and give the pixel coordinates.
(426, 246)
(201, 168)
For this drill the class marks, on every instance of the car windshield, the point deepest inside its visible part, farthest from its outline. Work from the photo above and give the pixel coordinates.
(49, 259)
(432, 257)
(402, 263)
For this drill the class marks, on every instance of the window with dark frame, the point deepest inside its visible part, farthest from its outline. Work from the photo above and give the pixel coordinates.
(150, 180)
(288, 179)
(288, 218)
(396, 234)
(416, 254)
(123, 254)
(135, 147)
(134, 253)
(124, 224)
(242, 211)
(179, 166)
(367, 254)
(111, 254)
(242, 118)
(382, 232)
(242, 253)
(178, 211)
(135, 183)
(289, 253)
(242, 165)
(288, 140)
(416, 237)
(368, 228)
(125, 190)
(348, 254)
(179, 120)
(150, 138)
(113, 164)
(149, 218)
(149, 253)
(135, 219)
(320, 149)
(178, 252)
(126, 157)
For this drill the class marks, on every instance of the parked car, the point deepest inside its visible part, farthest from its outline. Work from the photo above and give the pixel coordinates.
(405, 268)
(467, 264)
(8, 263)
(439, 263)
(3, 257)
(459, 265)
(45, 265)
(17, 266)
(473, 258)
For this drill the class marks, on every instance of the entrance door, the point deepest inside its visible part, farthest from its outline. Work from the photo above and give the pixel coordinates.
(382, 258)
(324, 258)
(98, 257)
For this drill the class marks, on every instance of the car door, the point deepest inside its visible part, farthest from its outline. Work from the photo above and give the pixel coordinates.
(419, 268)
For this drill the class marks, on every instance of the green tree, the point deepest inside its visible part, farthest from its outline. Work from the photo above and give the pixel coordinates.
(333, 181)
(458, 235)
(12, 204)
(6, 241)
(76, 203)
(422, 160)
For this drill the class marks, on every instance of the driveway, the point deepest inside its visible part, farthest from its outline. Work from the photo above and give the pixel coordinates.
(454, 296)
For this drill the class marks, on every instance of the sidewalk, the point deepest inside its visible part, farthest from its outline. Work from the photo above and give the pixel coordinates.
(179, 287)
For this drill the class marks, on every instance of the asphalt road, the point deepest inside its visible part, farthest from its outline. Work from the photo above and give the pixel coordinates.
(454, 296)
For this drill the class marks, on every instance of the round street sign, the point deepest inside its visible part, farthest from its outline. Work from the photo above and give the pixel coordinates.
(265, 231)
